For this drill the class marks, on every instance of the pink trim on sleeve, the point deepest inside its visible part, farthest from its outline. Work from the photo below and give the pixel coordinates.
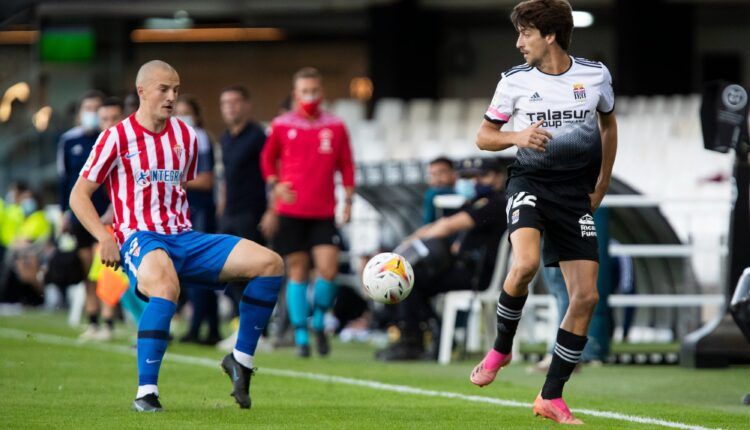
(497, 114)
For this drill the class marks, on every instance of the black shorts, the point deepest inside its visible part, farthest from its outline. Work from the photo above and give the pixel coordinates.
(301, 234)
(84, 239)
(568, 230)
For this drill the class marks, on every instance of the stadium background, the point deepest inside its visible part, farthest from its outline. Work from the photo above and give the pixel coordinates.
(411, 78)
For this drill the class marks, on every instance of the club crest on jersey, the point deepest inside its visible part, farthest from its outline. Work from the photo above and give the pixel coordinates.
(178, 150)
(291, 134)
(579, 92)
(325, 136)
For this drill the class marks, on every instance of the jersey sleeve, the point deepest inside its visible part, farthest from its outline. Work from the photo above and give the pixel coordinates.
(269, 155)
(502, 104)
(346, 160)
(102, 157)
(607, 95)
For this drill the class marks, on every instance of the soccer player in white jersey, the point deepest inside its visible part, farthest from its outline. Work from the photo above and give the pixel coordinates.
(564, 127)
(145, 160)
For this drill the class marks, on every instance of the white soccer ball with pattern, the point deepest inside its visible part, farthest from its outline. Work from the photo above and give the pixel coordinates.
(388, 278)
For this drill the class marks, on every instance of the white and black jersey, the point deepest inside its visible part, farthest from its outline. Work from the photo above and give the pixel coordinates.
(568, 104)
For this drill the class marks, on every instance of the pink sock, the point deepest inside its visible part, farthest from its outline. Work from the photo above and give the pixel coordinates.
(493, 359)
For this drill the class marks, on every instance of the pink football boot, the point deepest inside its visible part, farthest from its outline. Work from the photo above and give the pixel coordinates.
(555, 410)
(484, 372)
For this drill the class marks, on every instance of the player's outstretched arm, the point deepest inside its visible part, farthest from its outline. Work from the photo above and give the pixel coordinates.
(491, 138)
(608, 131)
(83, 208)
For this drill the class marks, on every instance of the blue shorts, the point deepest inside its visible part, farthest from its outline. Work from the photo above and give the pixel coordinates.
(197, 257)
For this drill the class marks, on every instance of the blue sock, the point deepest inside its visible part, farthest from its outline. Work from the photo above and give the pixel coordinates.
(296, 300)
(324, 292)
(256, 308)
(153, 334)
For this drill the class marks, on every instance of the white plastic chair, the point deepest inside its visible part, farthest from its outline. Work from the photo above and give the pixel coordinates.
(472, 301)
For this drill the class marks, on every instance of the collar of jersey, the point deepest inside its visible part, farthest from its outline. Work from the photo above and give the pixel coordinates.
(138, 127)
(558, 74)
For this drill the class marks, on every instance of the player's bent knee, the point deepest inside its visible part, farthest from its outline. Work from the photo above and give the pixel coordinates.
(272, 264)
(168, 291)
(524, 271)
(585, 300)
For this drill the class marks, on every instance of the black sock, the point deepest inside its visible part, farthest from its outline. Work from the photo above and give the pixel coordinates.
(508, 314)
(94, 319)
(110, 323)
(566, 356)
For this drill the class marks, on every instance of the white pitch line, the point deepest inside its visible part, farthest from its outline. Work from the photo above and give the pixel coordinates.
(404, 389)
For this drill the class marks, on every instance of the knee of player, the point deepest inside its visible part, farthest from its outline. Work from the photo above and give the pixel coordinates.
(166, 290)
(328, 273)
(524, 271)
(273, 264)
(585, 299)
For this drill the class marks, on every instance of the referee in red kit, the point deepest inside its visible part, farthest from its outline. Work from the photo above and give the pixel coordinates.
(304, 149)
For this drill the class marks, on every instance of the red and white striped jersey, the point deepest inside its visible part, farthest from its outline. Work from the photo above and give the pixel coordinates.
(144, 172)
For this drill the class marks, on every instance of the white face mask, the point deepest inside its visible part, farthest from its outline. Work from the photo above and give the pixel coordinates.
(187, 119)
(89, 120)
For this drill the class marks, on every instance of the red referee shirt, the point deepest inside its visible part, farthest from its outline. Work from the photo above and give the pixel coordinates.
(307, 153)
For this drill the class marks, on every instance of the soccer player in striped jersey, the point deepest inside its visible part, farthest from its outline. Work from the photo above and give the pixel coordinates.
(566, 134)
(145, 161)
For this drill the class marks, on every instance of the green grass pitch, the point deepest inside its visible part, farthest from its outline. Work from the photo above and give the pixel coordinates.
(53, 382)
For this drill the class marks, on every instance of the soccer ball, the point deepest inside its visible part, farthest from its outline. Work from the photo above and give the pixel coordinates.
(388, 278)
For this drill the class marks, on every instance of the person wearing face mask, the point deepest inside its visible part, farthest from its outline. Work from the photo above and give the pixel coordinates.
(304, 150)
(73, 150)
(441, 180)
(464, 246)
(200, 194)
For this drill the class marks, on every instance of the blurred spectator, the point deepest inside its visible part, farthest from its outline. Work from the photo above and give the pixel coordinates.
(22, 275)
(200, 192)
(12, 217)
(304, 150)
(73, 150)
(131, 103)
(110, 113)
(242, 193)
(441, 180)
(466, 264)
(201, 189)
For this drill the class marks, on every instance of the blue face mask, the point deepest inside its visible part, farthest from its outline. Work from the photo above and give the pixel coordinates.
(28, 206)
(466, 188)
(89, 120)
(482, 190)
